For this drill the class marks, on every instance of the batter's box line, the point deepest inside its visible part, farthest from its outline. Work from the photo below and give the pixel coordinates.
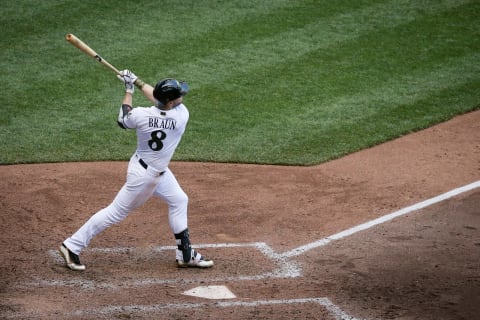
(367, 225)
(333, 309)
(284, 268)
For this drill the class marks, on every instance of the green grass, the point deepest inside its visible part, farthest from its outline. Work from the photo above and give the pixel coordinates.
(273, 81)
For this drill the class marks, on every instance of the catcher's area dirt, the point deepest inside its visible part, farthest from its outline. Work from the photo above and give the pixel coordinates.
(423, 265)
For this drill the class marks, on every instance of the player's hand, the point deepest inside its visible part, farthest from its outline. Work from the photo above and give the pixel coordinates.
(128, 78)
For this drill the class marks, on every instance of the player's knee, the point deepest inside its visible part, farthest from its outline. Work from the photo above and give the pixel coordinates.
(178, 201)
(182, 199)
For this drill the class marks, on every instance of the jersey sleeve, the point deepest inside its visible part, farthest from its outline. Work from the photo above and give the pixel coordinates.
(124, 110)
(128, 119)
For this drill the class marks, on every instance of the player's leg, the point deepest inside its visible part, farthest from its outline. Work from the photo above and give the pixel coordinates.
(170, 191)
(138, 188)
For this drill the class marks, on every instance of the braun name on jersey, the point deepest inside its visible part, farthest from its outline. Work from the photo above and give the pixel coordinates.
(162, 123)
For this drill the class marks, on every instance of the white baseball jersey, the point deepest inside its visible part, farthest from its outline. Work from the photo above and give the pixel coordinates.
(158, 132)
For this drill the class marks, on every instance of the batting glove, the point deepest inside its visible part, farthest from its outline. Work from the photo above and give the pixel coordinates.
(128, 78)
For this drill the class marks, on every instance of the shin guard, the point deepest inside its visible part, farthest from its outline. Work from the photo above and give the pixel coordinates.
(183, 243)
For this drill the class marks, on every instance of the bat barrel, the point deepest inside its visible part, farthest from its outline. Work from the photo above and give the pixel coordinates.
(89, 51)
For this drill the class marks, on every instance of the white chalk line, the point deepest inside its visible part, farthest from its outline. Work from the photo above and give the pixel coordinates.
(282, 268)
(334, 310)
(343, 234)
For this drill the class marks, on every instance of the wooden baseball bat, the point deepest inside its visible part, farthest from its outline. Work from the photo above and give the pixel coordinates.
(90, 52)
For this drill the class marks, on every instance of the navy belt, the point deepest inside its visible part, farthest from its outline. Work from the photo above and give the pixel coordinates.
(143, 164)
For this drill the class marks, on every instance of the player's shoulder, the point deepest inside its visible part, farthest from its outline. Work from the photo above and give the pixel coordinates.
(179, 112)
(144, 110)
(182, 108)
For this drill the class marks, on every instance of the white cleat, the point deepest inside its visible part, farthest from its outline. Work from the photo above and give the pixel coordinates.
(197, 260)
(71, 259)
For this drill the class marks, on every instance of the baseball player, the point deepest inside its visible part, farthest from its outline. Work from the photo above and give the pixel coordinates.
(159, 130)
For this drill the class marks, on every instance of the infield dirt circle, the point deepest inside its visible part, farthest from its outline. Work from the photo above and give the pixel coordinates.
(265, 227)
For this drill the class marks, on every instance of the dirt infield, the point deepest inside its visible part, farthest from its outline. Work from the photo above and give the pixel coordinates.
(275, 233)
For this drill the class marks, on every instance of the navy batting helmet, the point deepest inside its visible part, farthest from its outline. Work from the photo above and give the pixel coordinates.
(169, 89)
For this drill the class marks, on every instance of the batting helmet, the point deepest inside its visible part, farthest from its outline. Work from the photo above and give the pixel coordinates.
(169, 89)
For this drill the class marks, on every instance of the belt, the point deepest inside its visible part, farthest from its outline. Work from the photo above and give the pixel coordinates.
(145, 166)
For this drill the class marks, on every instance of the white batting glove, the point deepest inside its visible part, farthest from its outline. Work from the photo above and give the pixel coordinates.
(128, 78)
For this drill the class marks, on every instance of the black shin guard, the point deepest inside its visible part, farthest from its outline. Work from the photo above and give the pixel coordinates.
(183, 243)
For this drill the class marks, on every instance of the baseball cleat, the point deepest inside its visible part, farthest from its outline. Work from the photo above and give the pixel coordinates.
(197, 261)
(72, 260)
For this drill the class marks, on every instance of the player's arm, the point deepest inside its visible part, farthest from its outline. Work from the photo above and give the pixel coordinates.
(147, 91)
(128, 78)
(125, 108)
(131, 80)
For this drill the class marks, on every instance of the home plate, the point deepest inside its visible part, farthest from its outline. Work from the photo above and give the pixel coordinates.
(211, 292)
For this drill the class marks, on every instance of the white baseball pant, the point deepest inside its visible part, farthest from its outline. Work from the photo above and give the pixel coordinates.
(141, 184)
